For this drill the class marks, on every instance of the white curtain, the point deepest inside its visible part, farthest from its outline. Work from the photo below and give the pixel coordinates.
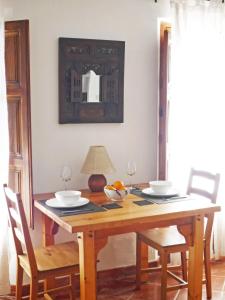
(197, 96)
(4, 267)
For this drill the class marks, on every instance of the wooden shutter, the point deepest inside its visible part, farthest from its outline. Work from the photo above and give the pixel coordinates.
(163, 101)
(18, 98)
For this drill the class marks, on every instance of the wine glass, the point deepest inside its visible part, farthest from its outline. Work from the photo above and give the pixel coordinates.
(66, 175)
(131, 170)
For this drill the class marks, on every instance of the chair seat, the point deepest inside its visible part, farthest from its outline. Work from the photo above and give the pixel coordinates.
(53, 257)
(163, 237)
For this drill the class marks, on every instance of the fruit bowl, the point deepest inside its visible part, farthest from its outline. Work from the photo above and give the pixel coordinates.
(117, 191)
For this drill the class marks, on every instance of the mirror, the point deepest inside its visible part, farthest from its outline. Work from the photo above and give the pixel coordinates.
(91, 78)
(91, 87)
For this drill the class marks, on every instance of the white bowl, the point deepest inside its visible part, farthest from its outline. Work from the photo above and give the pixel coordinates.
(160, 186)
(116, 195)
(67, 198)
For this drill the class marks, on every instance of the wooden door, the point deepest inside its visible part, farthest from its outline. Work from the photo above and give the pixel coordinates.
(18, 98)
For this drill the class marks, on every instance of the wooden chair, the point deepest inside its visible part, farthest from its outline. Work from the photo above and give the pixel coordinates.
(168, 240)
(41, 263)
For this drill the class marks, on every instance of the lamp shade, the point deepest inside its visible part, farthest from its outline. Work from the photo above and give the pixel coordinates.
(97, 161)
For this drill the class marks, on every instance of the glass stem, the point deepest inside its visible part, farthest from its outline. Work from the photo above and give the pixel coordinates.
(65, 185)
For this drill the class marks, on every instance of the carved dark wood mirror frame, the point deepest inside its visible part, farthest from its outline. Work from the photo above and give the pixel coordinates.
(104, 58)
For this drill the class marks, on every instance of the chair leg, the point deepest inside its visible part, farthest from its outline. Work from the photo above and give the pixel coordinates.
(207, 271)
(184, 265)
(164, 260)
(19, 282)
(34, 288)
(47, 297)
(138, 262)
(72, 289)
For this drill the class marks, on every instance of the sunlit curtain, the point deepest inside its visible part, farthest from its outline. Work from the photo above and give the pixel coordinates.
(197, 96)
(4, 272)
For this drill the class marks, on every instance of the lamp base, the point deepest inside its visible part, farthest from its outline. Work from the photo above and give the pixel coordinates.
(96, 182)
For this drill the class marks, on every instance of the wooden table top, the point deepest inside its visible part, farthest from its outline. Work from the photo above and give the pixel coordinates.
(128, 215)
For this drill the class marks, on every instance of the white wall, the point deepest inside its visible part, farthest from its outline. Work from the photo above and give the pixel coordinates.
(132, 21)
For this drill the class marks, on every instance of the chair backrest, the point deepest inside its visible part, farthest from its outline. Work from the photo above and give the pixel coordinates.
(209, 190)
(19, 227)
(194, 187)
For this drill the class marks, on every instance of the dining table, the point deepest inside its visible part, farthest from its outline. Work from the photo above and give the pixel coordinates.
(133, 214)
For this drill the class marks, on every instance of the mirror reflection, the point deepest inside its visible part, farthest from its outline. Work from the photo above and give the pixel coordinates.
(91, 87)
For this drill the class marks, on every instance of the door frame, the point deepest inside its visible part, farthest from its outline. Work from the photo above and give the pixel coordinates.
(165, 29)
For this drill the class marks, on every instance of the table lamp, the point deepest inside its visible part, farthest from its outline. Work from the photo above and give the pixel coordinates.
(97, 163)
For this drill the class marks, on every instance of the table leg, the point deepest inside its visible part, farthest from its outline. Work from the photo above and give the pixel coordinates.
(196, 260)
(48, 231)
(144, 259)
(141, 261)
(87, 261)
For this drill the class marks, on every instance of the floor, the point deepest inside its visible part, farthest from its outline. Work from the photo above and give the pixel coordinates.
(122, 288)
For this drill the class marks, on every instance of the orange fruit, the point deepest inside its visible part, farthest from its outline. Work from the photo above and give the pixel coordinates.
(123, 188)
(110, 187)
(119, 185)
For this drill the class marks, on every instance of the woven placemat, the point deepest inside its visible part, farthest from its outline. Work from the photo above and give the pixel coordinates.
(68, 211)
(158, 200)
